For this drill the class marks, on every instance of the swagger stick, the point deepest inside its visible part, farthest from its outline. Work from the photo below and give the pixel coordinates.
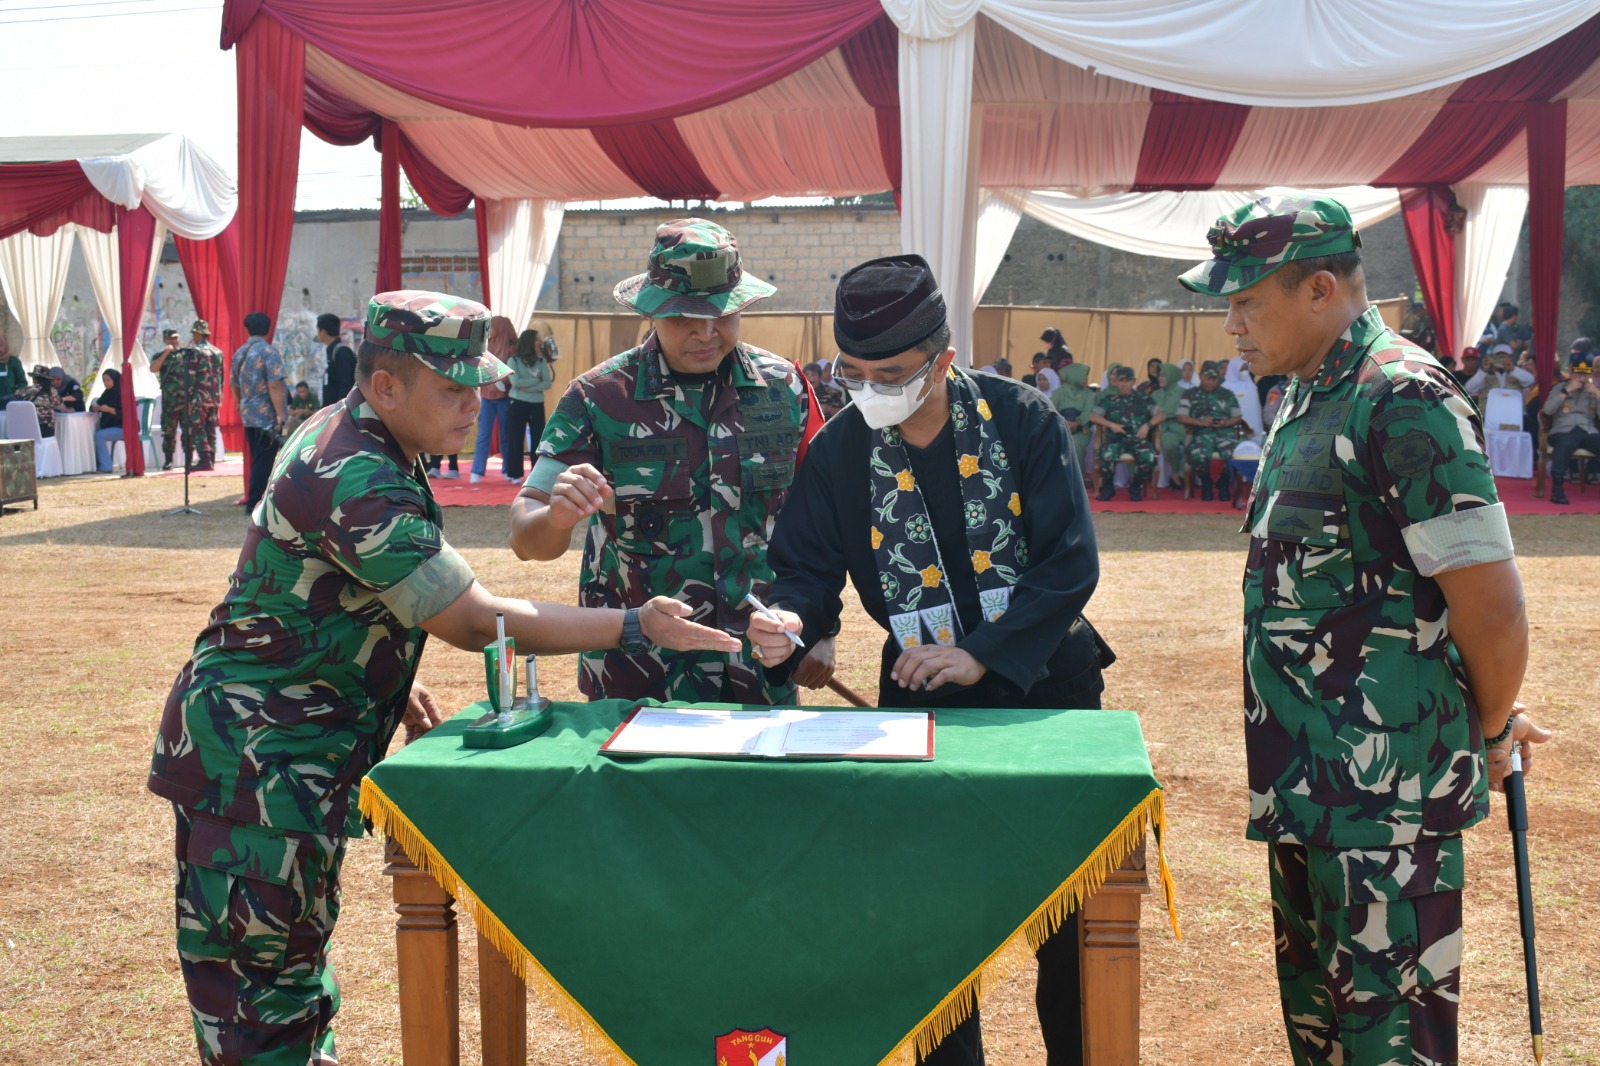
(847, 692)
(1517, 816)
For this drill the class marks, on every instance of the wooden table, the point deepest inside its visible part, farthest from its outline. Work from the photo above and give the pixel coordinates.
(429, 966)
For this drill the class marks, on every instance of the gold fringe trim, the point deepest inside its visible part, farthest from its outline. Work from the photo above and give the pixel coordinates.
(390, 822)
(1017, 950)
(1014, 953)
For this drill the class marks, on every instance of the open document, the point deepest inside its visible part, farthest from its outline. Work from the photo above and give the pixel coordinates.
(710, 732)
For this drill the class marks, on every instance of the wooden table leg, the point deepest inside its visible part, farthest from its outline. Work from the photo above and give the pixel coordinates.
(1110, 966)
(502, 1008)
(425, 944)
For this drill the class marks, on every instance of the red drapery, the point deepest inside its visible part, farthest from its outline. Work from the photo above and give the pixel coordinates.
(1187, 142)
(480, 216)
(136, 231)
(1433, 256)
(443, 194)
(271, 76)
(873, 59)
(1547, 178)
(389, 210)
(1486, 112)
(657, 158)
(606, 56)
(271, 73)
(334, 118)
(211, 269)
(38, 194)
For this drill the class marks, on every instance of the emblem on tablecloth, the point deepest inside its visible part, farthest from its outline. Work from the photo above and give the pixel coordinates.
(760, 1048)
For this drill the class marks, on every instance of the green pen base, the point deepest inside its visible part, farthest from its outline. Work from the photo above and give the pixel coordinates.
(525, 723)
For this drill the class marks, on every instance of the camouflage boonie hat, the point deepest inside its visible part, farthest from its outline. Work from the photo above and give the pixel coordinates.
(1213, 368)
(446, 333)
(694, 272)
(200, 326)
(1260, 237)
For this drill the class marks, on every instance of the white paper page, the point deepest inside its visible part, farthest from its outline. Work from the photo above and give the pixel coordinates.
(881, 734)
(691, 731)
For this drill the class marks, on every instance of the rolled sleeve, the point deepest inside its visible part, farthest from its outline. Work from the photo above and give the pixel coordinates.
(1460, 539)
(569, 439)
(430, 588)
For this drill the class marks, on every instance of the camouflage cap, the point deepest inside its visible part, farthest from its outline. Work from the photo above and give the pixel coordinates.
(1261, 236)
(201, 326)
(1213, 368)
(446, 333)
(694, 272)
(170, 331)
(1121, 373)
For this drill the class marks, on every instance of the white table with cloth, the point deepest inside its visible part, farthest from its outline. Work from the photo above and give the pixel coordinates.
(75, 434)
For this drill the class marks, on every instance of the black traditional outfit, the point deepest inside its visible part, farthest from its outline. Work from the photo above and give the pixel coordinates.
(981, 540)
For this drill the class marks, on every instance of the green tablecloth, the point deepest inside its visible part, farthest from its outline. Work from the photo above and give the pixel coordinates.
(853, 907)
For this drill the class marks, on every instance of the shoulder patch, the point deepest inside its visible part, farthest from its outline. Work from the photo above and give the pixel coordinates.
(1410, 454)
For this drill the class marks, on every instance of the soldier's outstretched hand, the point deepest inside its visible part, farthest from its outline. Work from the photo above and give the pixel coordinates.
(579, 492)
(666, 622)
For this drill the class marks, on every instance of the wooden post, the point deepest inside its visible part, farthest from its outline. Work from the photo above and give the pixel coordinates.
(425, 944)
(502, 1008)
(1110, 966)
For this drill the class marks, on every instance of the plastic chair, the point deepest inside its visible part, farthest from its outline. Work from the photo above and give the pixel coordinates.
(119, 454)
(22, 423)
(1509, 446)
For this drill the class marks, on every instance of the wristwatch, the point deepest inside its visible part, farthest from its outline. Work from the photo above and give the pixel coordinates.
(633, 642)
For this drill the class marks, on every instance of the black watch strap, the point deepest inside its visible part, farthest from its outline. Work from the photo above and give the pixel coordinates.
(634, 642)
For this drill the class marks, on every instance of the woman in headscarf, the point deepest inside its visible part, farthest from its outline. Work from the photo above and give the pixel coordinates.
(496, 405)
(1167, 395)
(1075, 399)
(109, 407)
(1239, 382)
(1187, 378)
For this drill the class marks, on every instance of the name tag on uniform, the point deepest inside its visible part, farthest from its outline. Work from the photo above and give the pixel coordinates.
(1321, 481)
(646, 450)
(771, 440)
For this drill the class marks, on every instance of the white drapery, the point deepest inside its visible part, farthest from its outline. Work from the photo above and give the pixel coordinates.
(170, 176)
(1268, 52)
(1484, 251)
(522, 237)
(101, 255)
(939, 173)
(998, 216)
(1173, 225)
(33, 271)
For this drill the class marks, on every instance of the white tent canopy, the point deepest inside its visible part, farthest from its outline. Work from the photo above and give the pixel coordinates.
(187, 192)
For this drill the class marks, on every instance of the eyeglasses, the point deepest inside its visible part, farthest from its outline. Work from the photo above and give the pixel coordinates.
(882, 388)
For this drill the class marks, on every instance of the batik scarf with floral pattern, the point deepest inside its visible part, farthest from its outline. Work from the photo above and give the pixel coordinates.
(915, 579)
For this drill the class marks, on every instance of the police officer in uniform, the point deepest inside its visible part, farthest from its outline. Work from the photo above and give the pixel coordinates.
(1385, 639)
(678, 454)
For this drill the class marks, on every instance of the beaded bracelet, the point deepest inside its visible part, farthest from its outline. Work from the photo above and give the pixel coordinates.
(1504, 733)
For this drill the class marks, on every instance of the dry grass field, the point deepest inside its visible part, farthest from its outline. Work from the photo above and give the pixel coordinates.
(104, 596)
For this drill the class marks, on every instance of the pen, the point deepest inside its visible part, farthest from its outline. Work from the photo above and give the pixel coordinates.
(504, 679)
(763, 609)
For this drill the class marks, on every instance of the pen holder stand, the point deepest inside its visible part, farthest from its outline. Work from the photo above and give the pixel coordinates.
(526, 721)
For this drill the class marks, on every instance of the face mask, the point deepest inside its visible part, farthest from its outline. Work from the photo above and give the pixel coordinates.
(882, 411)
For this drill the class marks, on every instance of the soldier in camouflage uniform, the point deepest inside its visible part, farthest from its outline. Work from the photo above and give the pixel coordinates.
(678, 453)
(1384, 640)
(168, 367)
(308, 665)
(1126, 419)
(205, 367)
(1217, 424)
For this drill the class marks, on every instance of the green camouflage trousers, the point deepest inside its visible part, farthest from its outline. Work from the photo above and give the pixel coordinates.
(1369, 952)
(255, 909)
(1205, 441)
(1143, 452)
